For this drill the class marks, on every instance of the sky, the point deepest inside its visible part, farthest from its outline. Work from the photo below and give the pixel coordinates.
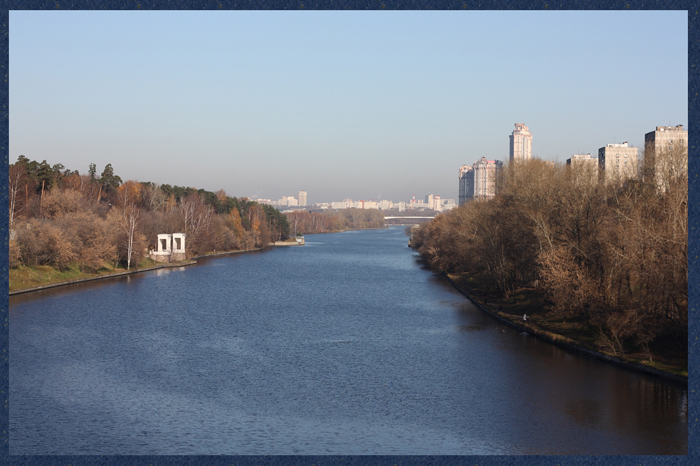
(342, 104)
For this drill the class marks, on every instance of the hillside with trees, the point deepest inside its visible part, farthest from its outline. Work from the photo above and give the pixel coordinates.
(62, 219)
(605, 260)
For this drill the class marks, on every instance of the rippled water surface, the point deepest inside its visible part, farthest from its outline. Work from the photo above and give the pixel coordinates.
(343, 346)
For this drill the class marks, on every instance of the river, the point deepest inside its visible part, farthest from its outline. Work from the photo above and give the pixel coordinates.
(344, 346)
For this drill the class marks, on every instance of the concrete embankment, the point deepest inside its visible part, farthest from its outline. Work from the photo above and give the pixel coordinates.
(565, 342)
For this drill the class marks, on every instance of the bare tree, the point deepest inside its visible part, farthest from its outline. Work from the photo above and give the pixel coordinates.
(17, 174)
(153, 197)
(196, 216)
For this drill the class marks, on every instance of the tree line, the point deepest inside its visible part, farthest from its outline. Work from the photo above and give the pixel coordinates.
(58, 217)
(301, 222)
(612, 254)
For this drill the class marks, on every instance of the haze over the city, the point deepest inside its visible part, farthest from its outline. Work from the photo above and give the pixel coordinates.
(341, 104)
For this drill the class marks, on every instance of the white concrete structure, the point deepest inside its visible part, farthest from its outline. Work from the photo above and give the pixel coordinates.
(169, 248)
(302, 198)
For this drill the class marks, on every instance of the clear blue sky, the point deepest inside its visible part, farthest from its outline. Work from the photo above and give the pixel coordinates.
(340, 104)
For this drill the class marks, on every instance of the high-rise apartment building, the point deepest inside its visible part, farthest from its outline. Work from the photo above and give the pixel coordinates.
(665, 154)
(479, 180)
(302, 198)
(618, 161)
(520, 143)
(466, 184)
(485, 173)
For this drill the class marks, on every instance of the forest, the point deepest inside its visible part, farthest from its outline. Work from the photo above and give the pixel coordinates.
(61, 218)
(612, 254)
(301, 222)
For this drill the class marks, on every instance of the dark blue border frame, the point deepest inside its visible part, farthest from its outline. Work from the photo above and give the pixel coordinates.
(694, 230)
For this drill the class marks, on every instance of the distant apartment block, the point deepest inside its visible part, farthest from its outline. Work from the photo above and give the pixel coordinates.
(385, 204)
(617, 161)
(288, 201)
(432, 201)
(447, 204)
(302, 198)
(582, 159)
(479, 180)
(367, 205)
(665, 153)
(466, 184)
(520, 143)
(485, 173)
(584, 166)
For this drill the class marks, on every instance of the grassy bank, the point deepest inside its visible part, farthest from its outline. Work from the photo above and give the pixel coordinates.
(567, 332)
(25, 278)
(22, 278)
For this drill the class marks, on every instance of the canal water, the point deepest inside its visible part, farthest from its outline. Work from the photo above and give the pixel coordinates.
(345, 346)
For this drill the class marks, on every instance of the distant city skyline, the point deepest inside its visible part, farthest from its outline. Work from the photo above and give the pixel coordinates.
(342, 104)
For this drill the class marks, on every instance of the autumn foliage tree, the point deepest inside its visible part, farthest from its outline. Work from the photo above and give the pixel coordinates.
(95, 221)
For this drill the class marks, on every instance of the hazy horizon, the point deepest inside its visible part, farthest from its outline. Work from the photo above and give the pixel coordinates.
(341, 104)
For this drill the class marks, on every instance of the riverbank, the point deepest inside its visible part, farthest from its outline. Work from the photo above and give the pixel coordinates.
(542, 326)
(92, 277)
(45, 277)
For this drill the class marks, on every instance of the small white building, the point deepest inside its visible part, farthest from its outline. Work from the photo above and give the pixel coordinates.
(169, 248)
